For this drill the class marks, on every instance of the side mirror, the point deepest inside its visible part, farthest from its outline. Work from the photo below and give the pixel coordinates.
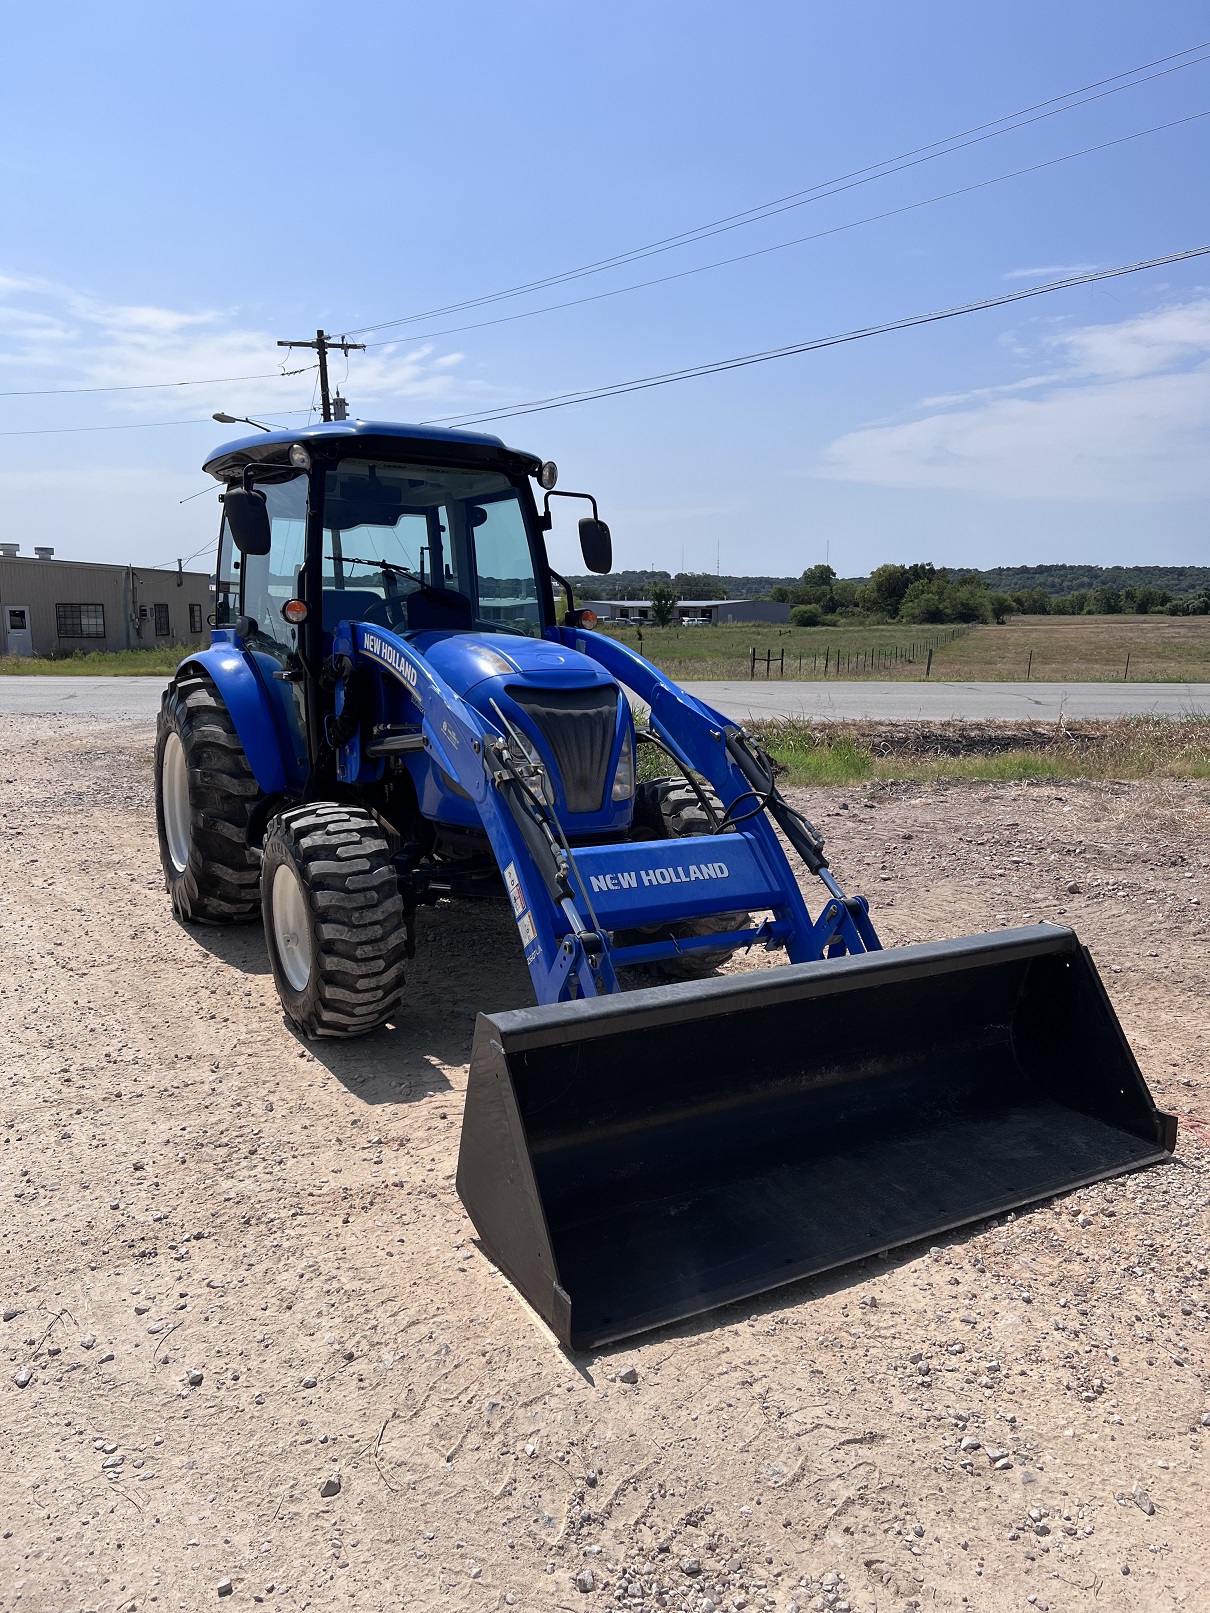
(595, 544)
(248, 517)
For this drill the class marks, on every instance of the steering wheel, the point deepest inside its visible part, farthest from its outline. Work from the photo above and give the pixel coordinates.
(390, 612)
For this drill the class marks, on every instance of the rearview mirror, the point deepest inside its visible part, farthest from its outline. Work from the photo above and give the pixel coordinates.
(248, 517)
(595, 544)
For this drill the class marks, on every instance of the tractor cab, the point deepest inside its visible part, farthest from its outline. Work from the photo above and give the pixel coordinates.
(408, 528)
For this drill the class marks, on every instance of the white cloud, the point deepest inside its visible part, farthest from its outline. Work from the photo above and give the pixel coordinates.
(1123, 414)
(54, 336)
(1048, 269)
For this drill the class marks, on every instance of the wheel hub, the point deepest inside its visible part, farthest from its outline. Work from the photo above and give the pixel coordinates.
(174, 796)
(291, 927)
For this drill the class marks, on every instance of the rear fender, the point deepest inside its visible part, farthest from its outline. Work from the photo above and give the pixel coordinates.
(229, 666)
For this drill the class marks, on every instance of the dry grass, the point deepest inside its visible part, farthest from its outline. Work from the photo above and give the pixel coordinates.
(723, 654)
(1131, 748)
(1082, 649)
(1065, 649)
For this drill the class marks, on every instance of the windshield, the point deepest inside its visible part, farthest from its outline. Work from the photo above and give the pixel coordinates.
(393, 530)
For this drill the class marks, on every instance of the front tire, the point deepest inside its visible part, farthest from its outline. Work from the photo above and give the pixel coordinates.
(334, 919)
(667, 809)
(204, 795)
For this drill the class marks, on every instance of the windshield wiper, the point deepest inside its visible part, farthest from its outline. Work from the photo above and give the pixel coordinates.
(389, 565)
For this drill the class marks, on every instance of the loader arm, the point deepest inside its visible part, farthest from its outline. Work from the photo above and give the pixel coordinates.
(709, 743)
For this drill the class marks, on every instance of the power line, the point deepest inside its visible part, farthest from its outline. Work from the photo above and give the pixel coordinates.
(564, 400)
(131, 425)
(156, 386)
(830, 187)
(799, 240)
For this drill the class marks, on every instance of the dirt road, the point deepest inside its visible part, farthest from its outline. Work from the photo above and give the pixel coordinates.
(235, 1275)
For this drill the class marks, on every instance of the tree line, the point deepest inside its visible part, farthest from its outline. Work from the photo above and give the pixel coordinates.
(924, 593)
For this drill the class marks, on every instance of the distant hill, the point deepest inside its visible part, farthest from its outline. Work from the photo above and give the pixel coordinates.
(1055, 580)
(1059, 580)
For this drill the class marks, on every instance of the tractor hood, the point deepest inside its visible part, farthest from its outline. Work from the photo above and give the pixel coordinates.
(570, 710)
(468, 660)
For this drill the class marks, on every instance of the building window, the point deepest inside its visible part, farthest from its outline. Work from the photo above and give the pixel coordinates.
(195, 618)
(162, 626)
(80, 621)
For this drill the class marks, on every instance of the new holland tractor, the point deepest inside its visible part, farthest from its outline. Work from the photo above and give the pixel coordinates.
(401, 705)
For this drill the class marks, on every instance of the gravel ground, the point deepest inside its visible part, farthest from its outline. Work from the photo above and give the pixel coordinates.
(214, 1384)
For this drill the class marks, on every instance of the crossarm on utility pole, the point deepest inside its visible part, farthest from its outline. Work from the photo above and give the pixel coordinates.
(322, 345)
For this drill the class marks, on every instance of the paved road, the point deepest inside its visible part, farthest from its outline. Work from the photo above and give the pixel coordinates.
(937, 702)
(119, 699)
(138, 699)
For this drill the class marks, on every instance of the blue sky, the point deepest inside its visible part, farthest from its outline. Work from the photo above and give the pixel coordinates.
(181, 185)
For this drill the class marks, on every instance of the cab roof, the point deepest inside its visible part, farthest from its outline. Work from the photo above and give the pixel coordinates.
(373, 438)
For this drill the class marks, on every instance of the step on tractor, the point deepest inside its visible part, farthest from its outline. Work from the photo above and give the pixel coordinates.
(401, 705)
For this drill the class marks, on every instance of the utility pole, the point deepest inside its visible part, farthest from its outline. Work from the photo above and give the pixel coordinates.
(323, 345)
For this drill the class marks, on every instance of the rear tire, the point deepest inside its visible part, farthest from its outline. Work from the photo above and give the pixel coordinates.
(204, 795)
(334, 919)
(666, 809)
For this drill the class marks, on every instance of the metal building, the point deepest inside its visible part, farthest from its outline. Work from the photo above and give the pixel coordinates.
(56, 607)
(692, 612)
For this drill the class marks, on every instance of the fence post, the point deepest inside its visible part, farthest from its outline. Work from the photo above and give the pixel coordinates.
(1030, 666)
(1126, 674)
(783, 661)
(752, 666)
(929, 666)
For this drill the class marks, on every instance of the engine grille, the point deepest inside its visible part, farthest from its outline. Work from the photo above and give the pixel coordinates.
(579, 726)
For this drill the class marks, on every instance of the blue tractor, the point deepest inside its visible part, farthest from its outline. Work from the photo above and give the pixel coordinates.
(401, 703)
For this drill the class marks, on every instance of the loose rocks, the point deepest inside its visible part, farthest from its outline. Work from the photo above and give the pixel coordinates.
(194, 1379)
(225, 1587)
(330, 1486)
(585, 1581)
(23, 1376)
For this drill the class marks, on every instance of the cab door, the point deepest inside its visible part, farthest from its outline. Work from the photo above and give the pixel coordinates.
(266, 582)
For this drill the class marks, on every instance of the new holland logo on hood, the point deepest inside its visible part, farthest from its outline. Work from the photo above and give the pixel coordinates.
(390, 657)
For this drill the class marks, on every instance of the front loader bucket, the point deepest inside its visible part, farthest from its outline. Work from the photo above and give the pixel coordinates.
(631, 1160)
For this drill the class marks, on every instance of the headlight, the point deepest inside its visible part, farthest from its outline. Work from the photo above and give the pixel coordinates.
(623, 779)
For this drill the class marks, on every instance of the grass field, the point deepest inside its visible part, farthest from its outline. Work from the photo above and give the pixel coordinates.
(723, 654)
(1082, 649)
(1049, 649)
(157, 663)
(854, 753)
(1064, 649)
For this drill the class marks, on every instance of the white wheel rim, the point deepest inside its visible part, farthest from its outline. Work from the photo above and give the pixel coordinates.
(291, 927)
(174, 794)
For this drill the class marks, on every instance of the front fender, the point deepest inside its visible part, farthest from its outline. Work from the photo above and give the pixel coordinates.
(230, 669)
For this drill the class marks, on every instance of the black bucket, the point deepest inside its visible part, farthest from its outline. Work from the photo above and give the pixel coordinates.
(631, 1160)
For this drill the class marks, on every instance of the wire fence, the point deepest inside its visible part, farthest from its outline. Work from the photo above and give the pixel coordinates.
(847, 661)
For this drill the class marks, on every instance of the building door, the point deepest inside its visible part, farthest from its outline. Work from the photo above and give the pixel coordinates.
(18, 638)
